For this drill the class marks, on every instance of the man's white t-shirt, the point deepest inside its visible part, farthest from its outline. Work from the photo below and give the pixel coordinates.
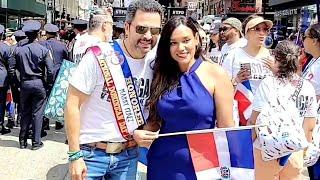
(97, 118)
(215, 55)
(271, 87)
(259, 70)
(82, 43)
(312, 73)
(242, 42)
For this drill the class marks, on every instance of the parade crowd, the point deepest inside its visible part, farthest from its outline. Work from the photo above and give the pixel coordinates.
(165, 77)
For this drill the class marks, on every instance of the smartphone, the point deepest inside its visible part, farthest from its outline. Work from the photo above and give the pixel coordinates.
(246, 66)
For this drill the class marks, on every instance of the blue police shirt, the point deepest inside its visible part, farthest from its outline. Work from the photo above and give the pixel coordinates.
(4, 64)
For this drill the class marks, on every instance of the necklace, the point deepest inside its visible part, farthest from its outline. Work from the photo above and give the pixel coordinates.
(126, 49)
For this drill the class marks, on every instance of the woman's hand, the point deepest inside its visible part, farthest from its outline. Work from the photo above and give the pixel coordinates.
(243, 75)
(144, 138)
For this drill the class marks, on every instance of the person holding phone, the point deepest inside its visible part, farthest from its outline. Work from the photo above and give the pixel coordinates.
(251, 63)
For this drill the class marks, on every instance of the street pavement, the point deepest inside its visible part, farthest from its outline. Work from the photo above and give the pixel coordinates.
(47, 163)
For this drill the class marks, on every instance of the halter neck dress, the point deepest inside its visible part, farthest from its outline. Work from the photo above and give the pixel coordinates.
(188, 107)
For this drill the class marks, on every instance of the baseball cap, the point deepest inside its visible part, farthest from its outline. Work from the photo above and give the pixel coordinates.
(215, 28)
(234, 22)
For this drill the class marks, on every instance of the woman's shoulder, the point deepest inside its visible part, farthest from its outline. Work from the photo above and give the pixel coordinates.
(214, 69)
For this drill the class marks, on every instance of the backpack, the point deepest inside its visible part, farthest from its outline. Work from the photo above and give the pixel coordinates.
(283, 133)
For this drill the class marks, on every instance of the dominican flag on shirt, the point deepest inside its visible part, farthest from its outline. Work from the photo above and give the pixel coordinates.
(244, 97)
(222, 155)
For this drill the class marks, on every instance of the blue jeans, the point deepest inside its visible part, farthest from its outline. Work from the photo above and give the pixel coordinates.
(121, 166)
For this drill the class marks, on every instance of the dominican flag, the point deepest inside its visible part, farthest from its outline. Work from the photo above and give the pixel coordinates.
(10, 104)
(244, 97)
(222, 155)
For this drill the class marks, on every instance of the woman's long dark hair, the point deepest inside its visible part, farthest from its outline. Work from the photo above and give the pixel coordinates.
(166, 69)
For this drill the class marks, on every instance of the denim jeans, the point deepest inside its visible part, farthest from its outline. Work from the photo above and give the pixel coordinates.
(121, 166)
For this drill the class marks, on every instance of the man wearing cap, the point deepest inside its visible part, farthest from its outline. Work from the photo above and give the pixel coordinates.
(34, 62)
(4, 80)
(59, 53)
(14, 83)
(231, 33)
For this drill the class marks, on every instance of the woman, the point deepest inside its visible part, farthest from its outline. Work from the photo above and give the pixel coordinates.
(215, 43)
(251, 62)
(311, 42)
(188, 94)
(283, 85)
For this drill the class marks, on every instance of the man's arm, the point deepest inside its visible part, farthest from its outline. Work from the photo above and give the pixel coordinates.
(75, 99)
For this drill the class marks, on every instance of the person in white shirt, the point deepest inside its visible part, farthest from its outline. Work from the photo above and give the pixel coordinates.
(231, 33)
(215, 44)
(311, 43)
(250, 63)
(283, 85)
(100, 145)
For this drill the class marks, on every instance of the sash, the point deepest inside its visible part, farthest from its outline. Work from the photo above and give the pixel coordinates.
(120, 84)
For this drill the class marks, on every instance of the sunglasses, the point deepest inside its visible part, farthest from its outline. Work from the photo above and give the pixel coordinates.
(144, 29)
(304, 37)
(224, 29)
(257, 29)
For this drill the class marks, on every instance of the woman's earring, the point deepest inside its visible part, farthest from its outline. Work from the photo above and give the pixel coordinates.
(126, 36)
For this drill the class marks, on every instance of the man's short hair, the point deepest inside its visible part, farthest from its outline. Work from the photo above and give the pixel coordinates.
(98, 18)
(151, 6)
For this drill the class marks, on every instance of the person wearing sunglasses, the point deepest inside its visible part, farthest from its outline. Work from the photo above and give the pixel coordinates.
(252, 61)
(103, 108)
(183, 82)
(231, 34)
(311, 43)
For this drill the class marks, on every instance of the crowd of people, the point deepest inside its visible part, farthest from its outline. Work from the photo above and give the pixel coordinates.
(159, 79)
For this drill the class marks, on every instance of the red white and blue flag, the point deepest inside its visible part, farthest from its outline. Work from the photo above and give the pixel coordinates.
(222, 155)
(244, 97)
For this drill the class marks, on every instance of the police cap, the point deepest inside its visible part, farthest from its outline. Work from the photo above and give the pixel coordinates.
(51, 28)
(19, 33)
(79, 22)
(31, 25)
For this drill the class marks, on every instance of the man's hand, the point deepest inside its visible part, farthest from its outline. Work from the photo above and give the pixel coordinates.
(78, 169)
(144, 138)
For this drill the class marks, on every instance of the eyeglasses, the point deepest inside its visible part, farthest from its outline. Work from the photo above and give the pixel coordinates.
(224, 29)
(264, 30)
(304, 37)
(144, 29)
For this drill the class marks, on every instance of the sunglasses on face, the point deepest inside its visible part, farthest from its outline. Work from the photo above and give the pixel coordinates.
(224, 29)
(144, 29)
(257, 29)
(304, 37)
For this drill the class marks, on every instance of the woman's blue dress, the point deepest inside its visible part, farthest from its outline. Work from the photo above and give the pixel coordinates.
(188, 107)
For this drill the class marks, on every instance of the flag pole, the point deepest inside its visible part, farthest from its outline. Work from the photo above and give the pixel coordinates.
(211, 130)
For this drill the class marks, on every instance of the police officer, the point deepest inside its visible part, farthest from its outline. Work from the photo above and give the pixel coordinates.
(4, 80)
(34, 62)
(59, 53)
(15, 81)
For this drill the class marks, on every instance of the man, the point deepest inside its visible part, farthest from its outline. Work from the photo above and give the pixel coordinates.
(59, 53)
(231, 33)
(97, 146)
(4, 80)
(14, 83)
(34, 62)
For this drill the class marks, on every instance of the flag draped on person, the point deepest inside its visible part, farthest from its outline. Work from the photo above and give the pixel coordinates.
(222, 154)
(244, 97)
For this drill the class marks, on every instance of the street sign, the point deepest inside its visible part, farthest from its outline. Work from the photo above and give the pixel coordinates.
(192, 6)
(176, 11)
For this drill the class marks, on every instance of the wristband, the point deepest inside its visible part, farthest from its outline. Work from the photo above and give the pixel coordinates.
(71, 153)
(75, 156)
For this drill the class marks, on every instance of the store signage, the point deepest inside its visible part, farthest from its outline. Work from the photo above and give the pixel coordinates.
(192, 6)
(286, 12)
(237, 6)
(119, 12)
(176, 11)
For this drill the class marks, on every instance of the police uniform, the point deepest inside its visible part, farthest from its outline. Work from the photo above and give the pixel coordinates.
(15, 80)
(59, 53)
(34, 62)
(4, 80)
(58, 49)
